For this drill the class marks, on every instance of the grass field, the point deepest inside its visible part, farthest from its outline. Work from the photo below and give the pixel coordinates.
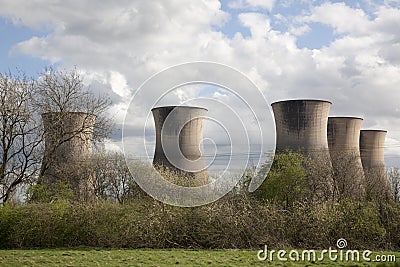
(147, 257)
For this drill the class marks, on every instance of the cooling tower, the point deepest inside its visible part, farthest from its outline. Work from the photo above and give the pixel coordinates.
(372, 144)
(179, 135)
(373, 160)
(343, 142)
(301, 125)
(68, 148)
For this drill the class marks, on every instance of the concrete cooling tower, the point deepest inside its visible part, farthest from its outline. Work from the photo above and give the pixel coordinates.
(301, 125)
(179, 147)
(343, 142)
(372, 147)
(68, 148)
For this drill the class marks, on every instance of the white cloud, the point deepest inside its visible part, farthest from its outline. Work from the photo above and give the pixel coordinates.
(340, 17)
(119, 85)
(258, 23)
(263, 4)
(119, 44)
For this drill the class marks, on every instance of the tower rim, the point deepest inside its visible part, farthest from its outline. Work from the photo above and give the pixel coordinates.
(301, 100)
(177, 106)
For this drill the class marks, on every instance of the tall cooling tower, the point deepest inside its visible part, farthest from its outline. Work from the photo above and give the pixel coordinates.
(179, 135)
(372, 147)
(343, 141)
(372, 144)
(301, 125)
(68, 148)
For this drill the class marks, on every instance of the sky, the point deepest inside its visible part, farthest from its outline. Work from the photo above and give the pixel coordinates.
(347, 52)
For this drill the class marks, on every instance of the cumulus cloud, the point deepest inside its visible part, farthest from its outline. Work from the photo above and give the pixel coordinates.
(263, 4)
(341, 17)
(118, 45)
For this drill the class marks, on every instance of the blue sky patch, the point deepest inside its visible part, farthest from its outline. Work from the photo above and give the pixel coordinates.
(10, 35)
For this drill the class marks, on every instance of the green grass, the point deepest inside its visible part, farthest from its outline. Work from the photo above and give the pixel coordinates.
(152, 257)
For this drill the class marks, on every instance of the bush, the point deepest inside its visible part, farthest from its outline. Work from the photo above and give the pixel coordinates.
(235, 221)
(286, 181)
(45, 193)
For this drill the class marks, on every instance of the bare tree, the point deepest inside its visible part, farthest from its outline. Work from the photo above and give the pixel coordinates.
(74, 118)
(20, 134)
(377, 185)
(62, 92)
(319, 171)
(348, 175)
(394, 180)
(113, 179)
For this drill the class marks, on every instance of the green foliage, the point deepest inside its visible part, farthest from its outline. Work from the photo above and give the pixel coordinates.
(46, 193)
(8, 217)
(235, 221)
(286, 180)
(280, 214)
(318, 224)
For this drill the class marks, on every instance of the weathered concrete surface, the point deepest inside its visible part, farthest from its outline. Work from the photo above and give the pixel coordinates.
(179, 135)
(372, 150)
(344, 148)
(68, 150)
(301, 125)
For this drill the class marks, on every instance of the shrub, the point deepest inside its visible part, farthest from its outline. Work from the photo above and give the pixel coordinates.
(234, 221)
(286, 181)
